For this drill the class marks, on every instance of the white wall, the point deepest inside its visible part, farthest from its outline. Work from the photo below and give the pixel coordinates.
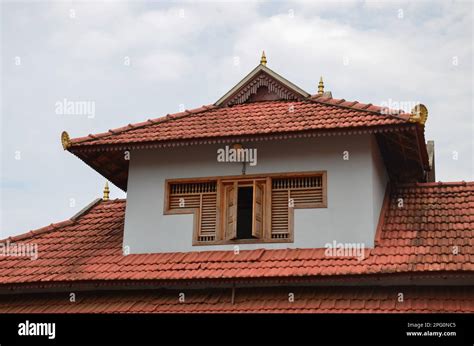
(355, 191)
(379, 180)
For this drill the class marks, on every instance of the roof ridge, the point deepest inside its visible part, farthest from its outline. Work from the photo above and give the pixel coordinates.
(85, 209)
(436, 184)
(148, 122)
(35, 232)
(54, 226)
(364, 107)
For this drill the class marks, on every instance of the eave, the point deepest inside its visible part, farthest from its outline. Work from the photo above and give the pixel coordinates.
(110, 160)
(440, 278)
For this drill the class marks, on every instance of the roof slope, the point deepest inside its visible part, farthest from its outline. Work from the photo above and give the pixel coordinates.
(255, 121)
(263, 106)
(257, 118)
(417, 238)
(264, 300)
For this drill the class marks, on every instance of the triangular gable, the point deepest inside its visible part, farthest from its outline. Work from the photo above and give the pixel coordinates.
(262, 84)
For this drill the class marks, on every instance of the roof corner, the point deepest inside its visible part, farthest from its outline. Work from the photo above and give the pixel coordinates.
(84, 210)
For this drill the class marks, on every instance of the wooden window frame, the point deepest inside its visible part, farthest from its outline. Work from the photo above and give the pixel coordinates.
(243, 180)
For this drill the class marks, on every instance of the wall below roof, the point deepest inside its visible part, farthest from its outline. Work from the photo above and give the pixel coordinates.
(379, 180)
(355, 191)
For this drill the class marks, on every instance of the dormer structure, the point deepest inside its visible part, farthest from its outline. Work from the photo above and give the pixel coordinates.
(321, 171)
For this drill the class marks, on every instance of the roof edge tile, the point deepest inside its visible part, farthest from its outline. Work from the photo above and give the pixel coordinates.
(56, 225)
(38, 231)
(111, 132)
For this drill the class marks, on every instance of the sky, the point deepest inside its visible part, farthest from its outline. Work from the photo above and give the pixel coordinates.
(128, 61)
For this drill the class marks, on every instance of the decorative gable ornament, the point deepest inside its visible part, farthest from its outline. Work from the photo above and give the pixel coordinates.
(419, 114)
(65, 140)
(262, 88)
(262, 84)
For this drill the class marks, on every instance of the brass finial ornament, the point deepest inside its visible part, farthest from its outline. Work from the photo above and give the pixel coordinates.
(419, 114)
(263, 59)
(237, 146)
(65, 140)
(106, 191)
(321, 86)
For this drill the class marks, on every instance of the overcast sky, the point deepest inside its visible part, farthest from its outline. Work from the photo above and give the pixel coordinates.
(138, 60)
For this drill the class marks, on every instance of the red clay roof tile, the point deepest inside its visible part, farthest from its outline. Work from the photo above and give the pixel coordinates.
(80, 250)
(249, 119)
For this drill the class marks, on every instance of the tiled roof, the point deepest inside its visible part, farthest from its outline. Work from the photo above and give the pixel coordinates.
(258, 118)
(264, 300)
(419, 237)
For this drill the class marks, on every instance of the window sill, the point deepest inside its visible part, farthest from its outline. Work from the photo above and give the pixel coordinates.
(243, 241)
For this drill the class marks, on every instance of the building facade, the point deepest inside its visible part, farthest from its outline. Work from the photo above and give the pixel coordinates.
(269, 200)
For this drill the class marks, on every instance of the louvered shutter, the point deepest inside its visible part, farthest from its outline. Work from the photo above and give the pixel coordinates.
(208, 210)
(293, 192)
(280, 213)
(257, 223)
(199, 198)
(231, 212)
(306, 192)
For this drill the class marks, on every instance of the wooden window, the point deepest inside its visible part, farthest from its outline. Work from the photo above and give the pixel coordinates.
(230, 212)
(290, 193)
(199, 198)
(257, 210)
(245, 209)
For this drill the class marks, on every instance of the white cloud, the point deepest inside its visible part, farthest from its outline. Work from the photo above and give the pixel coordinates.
(168, 66)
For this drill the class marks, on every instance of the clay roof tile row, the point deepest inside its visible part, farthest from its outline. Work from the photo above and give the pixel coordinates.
(249, 119)
(90, 247)
(264, 300)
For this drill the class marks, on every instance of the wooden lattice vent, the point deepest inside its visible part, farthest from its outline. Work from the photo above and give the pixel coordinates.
(289, 193)
(201, 196)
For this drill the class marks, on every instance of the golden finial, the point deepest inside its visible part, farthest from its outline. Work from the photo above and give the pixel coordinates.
(321, 86)
(65, 140)
(106, 191)
(419, 114)
(263, 59)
